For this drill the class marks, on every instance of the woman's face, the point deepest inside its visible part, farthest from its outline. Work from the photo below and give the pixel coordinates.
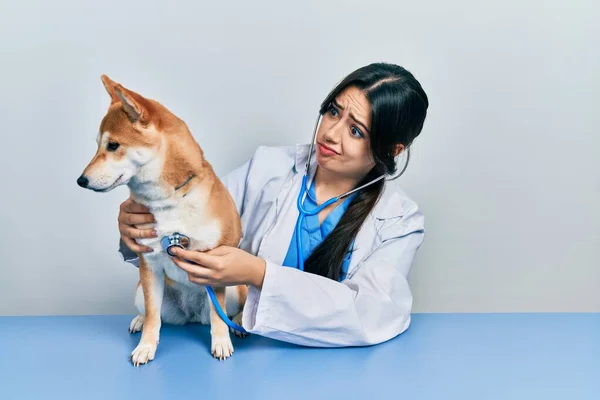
(342, 141)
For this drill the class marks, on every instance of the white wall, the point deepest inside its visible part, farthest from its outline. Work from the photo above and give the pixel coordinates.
(506, 169)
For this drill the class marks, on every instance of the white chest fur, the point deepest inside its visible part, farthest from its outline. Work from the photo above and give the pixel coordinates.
(189, 216)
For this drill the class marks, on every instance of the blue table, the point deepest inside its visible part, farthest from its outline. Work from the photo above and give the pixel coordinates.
(442, 356)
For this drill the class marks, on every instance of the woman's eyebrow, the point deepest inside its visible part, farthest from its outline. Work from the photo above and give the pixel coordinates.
(335, 103)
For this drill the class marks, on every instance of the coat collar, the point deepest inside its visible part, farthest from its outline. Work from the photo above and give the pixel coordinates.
(390, 201)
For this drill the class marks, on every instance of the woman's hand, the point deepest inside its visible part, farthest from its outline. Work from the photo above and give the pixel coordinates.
(222, 266)
(131, 214)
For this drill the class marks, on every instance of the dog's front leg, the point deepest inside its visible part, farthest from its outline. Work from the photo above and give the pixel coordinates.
(152, 281)
(221, 346)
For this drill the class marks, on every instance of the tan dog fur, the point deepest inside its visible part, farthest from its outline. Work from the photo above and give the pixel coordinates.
(143, 145)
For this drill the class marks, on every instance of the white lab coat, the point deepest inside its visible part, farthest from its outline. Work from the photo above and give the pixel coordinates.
(372, 305)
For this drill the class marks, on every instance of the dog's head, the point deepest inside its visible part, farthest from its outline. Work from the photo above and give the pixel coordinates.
(128, 139)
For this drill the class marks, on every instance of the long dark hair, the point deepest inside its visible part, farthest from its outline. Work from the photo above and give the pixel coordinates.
(398, 110)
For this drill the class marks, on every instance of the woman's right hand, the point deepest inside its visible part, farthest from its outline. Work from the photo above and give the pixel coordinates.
(130, 214)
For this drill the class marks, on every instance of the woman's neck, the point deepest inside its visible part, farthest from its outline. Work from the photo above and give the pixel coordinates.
(328, 184)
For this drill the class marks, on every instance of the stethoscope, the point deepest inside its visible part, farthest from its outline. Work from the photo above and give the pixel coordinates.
(180, 240)
(303, 212)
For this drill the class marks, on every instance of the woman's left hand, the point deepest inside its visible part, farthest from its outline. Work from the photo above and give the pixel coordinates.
(222, 266)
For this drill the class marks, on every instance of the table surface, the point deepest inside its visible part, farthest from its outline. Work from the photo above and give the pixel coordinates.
(441, 356)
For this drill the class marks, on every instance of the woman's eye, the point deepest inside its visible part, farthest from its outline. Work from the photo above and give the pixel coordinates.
(333, 111)
(356, 132)
(112, 146)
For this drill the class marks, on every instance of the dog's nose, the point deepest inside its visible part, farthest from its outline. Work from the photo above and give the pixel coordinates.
(82, 181)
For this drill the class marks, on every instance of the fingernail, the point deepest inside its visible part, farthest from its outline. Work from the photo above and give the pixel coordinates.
(154, 233)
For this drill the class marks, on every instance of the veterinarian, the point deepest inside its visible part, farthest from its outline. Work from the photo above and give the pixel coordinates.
(356, 253)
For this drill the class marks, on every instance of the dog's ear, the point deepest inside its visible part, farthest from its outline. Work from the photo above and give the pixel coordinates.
(136, 107)
(109, 84)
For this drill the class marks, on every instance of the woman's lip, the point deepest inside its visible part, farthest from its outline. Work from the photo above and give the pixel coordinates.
(327, 148)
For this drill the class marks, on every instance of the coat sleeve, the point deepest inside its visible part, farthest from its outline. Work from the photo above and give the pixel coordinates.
(370, 307)
(235, 182)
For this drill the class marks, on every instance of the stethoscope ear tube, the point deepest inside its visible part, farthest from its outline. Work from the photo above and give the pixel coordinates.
(304, 189)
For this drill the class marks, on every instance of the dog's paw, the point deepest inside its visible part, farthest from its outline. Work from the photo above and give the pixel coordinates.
(238, 333)
(238, 321)
(143, 353)
(136, 324)
(222, 348)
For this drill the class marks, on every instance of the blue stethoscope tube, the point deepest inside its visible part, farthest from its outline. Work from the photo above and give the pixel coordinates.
(302, 195)
(302, 215)
(175, 240)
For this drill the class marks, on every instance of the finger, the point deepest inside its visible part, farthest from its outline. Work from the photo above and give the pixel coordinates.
(126, 205)
(131, 244)
(194, 270)
(132, 206)
(137, 233)
(219, 251)
(200, 281)
(136, 219)
(198, 257)
(138, 208)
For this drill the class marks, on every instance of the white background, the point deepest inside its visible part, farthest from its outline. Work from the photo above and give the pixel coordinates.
(506, 170)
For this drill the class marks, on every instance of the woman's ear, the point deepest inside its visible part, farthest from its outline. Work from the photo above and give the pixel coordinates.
(398, 149)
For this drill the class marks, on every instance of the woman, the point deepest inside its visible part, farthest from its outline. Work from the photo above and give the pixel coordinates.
(356, 253)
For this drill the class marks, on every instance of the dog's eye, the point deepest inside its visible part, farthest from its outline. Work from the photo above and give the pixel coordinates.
(112, 146)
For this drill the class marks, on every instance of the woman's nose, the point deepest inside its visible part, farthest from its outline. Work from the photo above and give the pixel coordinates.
(333, 134)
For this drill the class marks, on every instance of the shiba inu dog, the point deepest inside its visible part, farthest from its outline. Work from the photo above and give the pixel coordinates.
(143, 145)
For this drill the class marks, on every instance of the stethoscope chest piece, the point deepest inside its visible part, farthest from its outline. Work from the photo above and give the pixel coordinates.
(175, 239)
(182, 241)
